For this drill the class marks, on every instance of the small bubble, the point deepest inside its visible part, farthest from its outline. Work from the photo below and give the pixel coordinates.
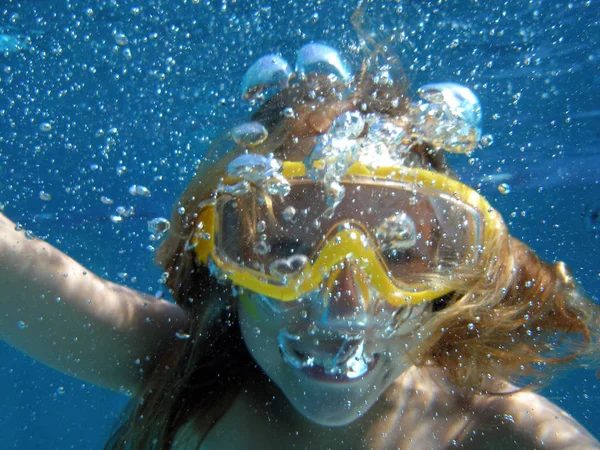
(106, 200)
(486, 140)
(181, 335)
(139, 190)
(121, 39)
(249, 134)
(454, 43)
(289, 213)
(260, 226)
(45, 127)
(504, 188)
(288, 112)
(45, 196)
(261, 248)
(121, 170)
(158, 227)
(22, 325)
(60, 390)
(471, 326)
(125, 211)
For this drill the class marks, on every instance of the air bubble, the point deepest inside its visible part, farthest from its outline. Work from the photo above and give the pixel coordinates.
(121, 39)
(125, 211)
(486, 140)
(321, 58)
(289, 213)
(261, 248)
(288, 112)
(249, 134)
(45, 127)
(45, 196)
(504, 188)
(139, 190)
(269, 71)
(158, 227)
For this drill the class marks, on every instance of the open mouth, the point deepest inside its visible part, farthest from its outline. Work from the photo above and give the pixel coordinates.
(330, 360)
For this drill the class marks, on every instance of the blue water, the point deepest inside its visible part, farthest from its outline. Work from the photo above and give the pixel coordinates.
(144, 85)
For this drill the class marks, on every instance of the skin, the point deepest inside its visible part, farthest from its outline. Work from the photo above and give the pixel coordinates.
(76, 322)
(104, 333)
(325, 401)
(420, 410)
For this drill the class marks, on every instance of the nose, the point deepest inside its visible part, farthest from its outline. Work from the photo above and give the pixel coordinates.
(345, 301)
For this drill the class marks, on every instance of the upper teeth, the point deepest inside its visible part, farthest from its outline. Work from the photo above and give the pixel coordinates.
(350, 359)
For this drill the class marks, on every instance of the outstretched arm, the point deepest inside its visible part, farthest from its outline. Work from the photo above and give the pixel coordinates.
(58, 312)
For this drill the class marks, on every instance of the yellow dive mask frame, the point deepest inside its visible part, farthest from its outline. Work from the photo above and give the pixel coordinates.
(462, 220)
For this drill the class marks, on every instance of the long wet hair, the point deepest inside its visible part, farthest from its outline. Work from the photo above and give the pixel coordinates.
(519, 318)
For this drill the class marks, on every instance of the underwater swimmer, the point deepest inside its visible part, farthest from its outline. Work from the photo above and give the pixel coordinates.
(336, 285)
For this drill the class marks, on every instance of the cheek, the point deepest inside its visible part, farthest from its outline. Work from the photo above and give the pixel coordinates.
(260, 338)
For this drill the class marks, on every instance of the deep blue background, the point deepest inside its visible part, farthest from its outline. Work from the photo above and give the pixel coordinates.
(153, 104)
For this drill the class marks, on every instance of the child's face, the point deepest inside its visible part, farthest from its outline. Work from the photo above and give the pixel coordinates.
(331, 363)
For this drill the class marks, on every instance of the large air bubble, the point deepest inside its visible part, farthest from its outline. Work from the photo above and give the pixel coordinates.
(448, 117)
(323, 59)
(269, 71)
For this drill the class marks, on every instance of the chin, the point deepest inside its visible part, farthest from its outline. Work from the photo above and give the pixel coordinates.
(330, 404)
(328, 414)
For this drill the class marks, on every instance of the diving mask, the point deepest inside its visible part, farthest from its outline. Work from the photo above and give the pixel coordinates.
(411, 234)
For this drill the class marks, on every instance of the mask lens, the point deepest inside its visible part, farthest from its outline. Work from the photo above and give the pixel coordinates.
(415, 235)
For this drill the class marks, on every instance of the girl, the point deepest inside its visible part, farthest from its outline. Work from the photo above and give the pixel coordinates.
(335, 286)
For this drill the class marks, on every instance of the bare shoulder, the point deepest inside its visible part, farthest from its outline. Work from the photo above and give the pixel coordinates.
(423, 409)
(529, 420)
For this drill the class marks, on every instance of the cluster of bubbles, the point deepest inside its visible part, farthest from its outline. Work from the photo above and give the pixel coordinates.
(384, 144)
(12, 42)
(448, 117)
(262, 171)
(272, 71)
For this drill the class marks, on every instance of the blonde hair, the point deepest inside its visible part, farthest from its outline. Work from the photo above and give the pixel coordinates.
(508, 323)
